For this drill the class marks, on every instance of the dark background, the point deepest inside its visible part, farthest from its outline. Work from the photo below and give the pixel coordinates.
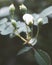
(9, 47)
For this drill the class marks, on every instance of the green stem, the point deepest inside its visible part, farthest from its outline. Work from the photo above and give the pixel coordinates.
(31, 31)
(27, 33)
(37, 32)
(22, 38)
(12, 15)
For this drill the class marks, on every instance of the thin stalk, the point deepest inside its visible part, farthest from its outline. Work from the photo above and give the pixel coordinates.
(22, 38)
(12, 15)
(32, 30)
(27, 33)
(37, 32)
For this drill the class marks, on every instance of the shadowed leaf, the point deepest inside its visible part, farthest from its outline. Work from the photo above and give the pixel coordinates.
(42, 57)
(23, 50)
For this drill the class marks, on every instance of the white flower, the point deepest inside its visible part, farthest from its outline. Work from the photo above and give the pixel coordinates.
(39, 19)
(11, 7)
(42, 16)
(28, 18)
(22, 7)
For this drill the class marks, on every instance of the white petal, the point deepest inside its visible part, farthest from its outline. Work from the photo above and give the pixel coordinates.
(33, 41)
(7, 30)
(28, 18)
(45, 20)
(2, 27)
(50, 16)
(22, 27)
(4, 11)
(4, 20)
(20, 24)
(46, 12)
(36, 17)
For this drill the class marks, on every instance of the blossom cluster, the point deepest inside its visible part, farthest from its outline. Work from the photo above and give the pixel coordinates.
(16, 27)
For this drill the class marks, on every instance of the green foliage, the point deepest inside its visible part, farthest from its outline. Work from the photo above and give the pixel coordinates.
(23, 50)
(42, 57)
(14, 27)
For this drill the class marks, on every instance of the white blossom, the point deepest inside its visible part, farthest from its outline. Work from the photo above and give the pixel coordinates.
(38, 19)
(46, 12)
(28, 18)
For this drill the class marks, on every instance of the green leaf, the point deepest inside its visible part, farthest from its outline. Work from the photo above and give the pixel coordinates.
(42, 57)
(23, 50)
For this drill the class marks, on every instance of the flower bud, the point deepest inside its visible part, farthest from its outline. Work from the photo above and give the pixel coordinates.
(22, 7)
(13, 22)
(12, 8)
(40, 21)
(28, 18)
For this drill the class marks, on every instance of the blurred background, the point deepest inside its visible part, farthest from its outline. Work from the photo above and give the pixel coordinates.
(10, 46)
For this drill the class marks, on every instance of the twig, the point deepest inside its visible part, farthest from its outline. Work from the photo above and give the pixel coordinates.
(37, 32)
(22, 38)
